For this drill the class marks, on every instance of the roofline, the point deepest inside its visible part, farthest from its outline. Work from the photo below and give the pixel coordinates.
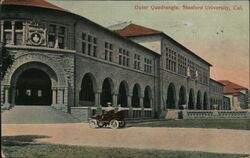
(217, 81)
(183, 47)
(98, 25)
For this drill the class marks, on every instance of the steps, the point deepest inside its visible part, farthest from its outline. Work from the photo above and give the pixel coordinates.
(36, 115)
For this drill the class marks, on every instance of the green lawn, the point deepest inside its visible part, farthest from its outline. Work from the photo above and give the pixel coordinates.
(63, 151)
(240, 124)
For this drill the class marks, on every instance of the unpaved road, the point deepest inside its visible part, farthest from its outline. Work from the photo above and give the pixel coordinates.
(193, 139)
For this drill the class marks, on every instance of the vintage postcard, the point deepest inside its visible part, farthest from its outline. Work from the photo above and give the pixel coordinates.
(124, 79)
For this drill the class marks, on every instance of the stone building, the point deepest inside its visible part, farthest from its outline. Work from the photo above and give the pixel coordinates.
(217, 95)
(68, 62)
(238, 95)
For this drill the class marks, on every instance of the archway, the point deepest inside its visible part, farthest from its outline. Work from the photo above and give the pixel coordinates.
(182, 97)
(198, 101)
(136, 96)
(33, 87)
(123, 93)
(107, 90)
(171, 97)
(86, 94)
(147, 97)
(191, 99)
(205, 103)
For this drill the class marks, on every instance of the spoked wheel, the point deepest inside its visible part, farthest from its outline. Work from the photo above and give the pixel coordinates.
(92, 123)
(122, 123)
(114, 124)
(100, 124)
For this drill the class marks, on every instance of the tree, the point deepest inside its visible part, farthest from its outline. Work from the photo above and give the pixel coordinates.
(6, 60)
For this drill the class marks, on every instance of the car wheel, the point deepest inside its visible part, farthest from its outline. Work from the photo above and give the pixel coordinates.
(122, 123)
(114, 124)
(92, 123)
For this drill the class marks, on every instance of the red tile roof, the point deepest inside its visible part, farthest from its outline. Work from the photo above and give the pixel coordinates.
(33, 3)
(136, 30)
(231, 88)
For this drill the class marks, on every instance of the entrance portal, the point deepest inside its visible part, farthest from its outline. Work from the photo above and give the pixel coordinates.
(33, 88)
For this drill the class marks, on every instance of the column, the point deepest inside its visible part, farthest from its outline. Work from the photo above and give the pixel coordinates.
(12, 32)
(114, 100)
(177, 102)
(6, 97)
(53, 97)
(60, 93)
(2, 31)
(13, 95)
(130, 113)
(142, 107)
(98, 102)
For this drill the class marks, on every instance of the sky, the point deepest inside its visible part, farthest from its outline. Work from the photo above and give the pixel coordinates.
(217, 31)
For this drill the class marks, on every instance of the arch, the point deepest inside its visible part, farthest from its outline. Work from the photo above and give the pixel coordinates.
(182, 97)
(147, 97)
(123, 93)
(205, 101)
(107, 91)
(191, 99)
(88, 89)
(33, 87)
(171, 97)
(27, 61)
(136, 95)
(198, 101)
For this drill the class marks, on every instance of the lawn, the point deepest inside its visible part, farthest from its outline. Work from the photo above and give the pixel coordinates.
(239, 124)
(63, 151)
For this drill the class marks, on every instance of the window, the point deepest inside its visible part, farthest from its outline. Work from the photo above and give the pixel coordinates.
(137, 62)
(52, 36)
(147, 65)
(191, 68)
(39, 93)
(7, 32)
(61, 37)
(170, 60)
(89, 45)
(108, 51)
(182, 67)
(28, 92)
(123, 57)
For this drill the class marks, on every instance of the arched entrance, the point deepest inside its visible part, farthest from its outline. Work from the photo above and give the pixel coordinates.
(182, 97)
(123, 93)
(198, 102)
(191, 99)
(33, 87)
(171, 97)
(136, 96)
(107, 90)
(87, 95)
(205, 101)
(147, 97)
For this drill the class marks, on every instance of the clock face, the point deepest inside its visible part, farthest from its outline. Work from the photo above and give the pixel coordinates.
(35, 38)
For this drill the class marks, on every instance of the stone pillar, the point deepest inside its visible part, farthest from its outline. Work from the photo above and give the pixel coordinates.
(24, 34)
(12, 32)
(142, 107)
(130, 113)
(2, 32)
(77, 98)
(13, 95)
(98, 102)
(6, 97)
(114, 100)
(177, 102)
(54, 97)
(61, 97)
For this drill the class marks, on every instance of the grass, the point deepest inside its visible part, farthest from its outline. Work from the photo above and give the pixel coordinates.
(65, 151)
(239, 124)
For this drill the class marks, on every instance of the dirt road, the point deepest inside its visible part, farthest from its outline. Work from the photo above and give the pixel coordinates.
(193, 139)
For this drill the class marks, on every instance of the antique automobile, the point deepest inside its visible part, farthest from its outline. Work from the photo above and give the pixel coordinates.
(112, 118)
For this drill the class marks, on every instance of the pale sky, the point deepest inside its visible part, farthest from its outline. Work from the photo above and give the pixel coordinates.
(219, 36)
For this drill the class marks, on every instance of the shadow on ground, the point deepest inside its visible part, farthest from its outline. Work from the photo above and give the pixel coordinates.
(21, 140)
